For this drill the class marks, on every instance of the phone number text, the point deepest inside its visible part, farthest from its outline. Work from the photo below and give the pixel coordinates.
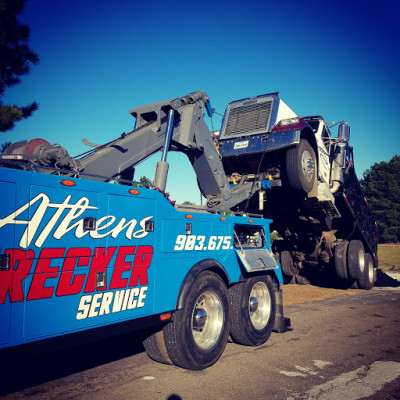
(193, 242)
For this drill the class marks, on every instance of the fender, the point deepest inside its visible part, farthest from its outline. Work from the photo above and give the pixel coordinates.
(194, 272)
(309, 135)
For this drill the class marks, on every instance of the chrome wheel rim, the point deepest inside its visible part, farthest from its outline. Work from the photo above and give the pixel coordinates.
(259, 305)
(307, 165)
(207, 320)
(370, 271)
(361, 260)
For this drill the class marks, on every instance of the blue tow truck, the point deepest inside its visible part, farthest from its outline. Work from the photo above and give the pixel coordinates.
(83, 246)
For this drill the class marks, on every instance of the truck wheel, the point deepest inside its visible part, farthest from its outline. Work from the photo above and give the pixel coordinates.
(353, 284)
(367, 281)
(155, 348)
(356, 259)
(197, 335)
(252, 310)
(341, 260)
(301, 167)
(287, 266)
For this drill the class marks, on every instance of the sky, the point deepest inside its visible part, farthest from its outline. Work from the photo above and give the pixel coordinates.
(99, 59)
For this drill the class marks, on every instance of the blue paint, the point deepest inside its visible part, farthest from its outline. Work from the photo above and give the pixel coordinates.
(41, 227)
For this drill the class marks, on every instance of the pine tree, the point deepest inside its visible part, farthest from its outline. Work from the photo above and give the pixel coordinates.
(4, 146)
(381, 185)
(16, 59)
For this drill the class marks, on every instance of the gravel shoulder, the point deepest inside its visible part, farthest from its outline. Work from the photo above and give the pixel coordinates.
(295, 294)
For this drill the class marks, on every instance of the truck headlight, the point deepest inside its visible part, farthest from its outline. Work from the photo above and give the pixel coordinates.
(289, 121)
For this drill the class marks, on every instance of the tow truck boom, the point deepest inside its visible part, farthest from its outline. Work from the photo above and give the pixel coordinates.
(175, 124)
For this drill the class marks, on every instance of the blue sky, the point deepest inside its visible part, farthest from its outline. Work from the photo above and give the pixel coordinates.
(98, 59)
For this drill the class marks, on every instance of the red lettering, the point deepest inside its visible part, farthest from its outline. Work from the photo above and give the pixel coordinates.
(11, 280)
(100, 261)
(121, 266)
(142, 261)
(43, 272)
(68, 283)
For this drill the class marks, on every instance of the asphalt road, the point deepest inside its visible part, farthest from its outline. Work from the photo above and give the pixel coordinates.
(345, 347)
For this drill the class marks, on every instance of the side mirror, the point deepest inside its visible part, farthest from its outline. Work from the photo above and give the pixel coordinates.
(344, 132)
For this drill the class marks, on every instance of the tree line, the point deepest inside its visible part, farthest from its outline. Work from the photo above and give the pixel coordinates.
(381, 185)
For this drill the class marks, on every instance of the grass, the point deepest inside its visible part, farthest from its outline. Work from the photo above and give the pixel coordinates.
(389, 257)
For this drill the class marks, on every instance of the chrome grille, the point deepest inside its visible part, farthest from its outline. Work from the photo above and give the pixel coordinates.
(248, 119)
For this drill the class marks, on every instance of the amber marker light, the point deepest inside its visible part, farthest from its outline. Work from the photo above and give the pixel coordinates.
(133, 191)
(250, 221)
(223, 218)
(68, 182)
(188, 216)
(165, 316)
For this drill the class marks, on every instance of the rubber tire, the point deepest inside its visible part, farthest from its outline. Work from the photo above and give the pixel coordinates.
(340, 260)
(178, 334)
(243, 329)
(353, 284)
(294, 168)
(155, 348)
(367, 281)
(356, 259)
(286, 262)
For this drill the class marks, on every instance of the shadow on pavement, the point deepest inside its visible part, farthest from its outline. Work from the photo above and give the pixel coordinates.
(385, 280)
(41, 362)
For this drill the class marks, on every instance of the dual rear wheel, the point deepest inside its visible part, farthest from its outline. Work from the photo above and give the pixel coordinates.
(198, 333)
(253, 310)
(353, 264)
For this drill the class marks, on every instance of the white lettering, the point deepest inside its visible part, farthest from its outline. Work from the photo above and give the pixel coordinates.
(118, 301)
(132, 302)
(142, 232)
(142, 296)
(84, 306)
(106, 303)
(95, 234)
(101, 303)
(76, 211)
(70, 222)
(126, 298)
(94, 312)
(121, 226)
(48, 228)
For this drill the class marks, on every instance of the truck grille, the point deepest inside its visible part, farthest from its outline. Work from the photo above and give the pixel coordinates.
(248, 119)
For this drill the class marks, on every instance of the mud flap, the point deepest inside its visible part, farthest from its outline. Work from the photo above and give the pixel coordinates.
(282, 324)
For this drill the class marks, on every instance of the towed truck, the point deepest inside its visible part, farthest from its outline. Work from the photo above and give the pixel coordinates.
(84, 247)
(304, 179)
